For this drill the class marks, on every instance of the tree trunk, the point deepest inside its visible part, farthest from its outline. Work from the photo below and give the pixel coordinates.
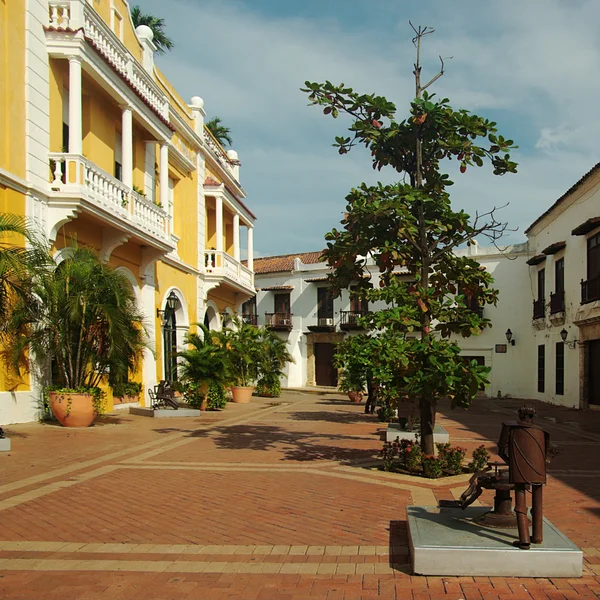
(427, 412)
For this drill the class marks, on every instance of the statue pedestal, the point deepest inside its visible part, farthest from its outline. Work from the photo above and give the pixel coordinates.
(440, 435)
(164, 413)
(4, 445)
(447, 541)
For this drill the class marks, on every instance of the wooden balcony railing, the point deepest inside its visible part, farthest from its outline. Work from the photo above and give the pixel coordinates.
(557, 303)
(349, 319)
(250, 319)
(281, 321)
(590, 290)
(539, 309)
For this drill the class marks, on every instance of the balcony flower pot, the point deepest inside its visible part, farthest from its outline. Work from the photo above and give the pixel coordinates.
(241, 394)
(73, 409)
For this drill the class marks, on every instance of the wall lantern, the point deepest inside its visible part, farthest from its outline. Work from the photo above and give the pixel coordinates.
(563, 336)
(509, 337)
(172, 301)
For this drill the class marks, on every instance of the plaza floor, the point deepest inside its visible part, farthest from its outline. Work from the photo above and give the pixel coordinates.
(275, 500)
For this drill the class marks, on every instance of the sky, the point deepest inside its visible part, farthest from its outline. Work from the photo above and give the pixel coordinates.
(530, 65)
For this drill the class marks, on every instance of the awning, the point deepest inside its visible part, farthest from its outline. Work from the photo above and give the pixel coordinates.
(554, 248)
(586, 226)
(536, 260)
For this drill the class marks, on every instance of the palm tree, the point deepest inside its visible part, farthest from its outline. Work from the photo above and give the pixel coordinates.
(273, 356)
(82, 318)
(220, 132)
(17, 260)
(161, 40)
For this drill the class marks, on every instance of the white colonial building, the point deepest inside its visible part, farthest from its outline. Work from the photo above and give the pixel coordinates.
(544, 342)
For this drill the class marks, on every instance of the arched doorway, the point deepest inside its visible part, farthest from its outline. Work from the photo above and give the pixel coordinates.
(211, 318)
(174, 323)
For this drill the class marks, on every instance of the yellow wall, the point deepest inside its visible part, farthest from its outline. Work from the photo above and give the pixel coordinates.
(12, 87)
(223, 297)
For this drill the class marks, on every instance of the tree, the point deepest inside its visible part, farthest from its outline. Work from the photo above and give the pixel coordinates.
(272, 358)
(161, 40)
(81, 317)
(17, 260)
(411, 226)
(220, 132)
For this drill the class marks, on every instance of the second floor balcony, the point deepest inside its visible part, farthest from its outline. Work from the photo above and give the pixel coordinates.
(280, 321)
(221, 267)
(590, 290)
(349, 319)
(539, 309)
(557, 303)
(80, 184)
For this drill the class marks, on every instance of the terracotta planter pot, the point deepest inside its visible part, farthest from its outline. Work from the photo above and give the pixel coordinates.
(241, 395)
(356, 397)
(73, 410)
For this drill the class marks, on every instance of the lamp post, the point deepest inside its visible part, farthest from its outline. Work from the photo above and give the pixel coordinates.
(509, 337)
(168, 321)
(564, 334)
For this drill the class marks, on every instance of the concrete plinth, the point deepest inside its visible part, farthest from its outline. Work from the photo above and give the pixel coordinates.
(4, 445)
(446, 541)
(440, 435)
(164, 413)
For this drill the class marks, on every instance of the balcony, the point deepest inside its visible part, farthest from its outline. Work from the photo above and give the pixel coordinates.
(220, 267)
(80, 185)
(590, 290)
(250, 319)
(539, 309)
(281, 321)
(557, 303)
(324, 325)
(349, 319)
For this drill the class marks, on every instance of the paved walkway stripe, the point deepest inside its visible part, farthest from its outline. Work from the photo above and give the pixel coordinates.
(264, 550)
(162, 566)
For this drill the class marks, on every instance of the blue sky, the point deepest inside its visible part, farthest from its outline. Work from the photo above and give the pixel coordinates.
(530, 65)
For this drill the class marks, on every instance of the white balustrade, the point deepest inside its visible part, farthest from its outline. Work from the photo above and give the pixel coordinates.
(60, 14)
(218, 152)
(221, 264)
(74, 174)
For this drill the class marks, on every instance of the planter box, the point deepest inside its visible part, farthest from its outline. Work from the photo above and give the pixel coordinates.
(440, 435)
(446, 541)
(162, 413)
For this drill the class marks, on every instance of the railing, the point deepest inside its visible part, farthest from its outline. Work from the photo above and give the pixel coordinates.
(219, 153)
(221, 264)
(74, 174)
(250, 319)
(75, 14)
(279, 320)
(557, 302)
(349, 319)
(590, 290)
(539, 309)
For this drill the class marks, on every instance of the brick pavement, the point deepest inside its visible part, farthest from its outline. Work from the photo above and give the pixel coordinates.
(272, 500)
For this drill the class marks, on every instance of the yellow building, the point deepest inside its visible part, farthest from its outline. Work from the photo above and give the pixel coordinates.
(98, 146)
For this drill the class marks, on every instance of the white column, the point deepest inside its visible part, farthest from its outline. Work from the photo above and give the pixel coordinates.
(236, 237)
(251, 248)
(219, 211)
(164, 182)
(150, 358)
(75, 116)
(127, 145)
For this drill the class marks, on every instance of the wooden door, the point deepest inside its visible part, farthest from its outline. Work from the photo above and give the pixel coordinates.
(594, 372)
(325, 372)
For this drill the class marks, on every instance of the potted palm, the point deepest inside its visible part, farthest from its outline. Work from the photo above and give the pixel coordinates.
(81, 320)
(273, 355)
(242, 344)
(203, 368)
(352, 382)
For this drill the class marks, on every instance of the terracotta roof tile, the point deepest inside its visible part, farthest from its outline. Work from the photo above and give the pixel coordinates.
(277, 264)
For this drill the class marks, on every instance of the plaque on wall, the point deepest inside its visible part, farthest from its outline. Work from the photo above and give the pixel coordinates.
(501, 348)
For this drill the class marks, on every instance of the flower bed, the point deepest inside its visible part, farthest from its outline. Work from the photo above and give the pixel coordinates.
(406, 456)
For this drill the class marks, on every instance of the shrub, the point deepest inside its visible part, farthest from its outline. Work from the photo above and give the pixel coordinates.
(432, 466)
(389, 453)
(128, 388)
(386, 414)
(217, 399)
(268, 389)
(194, 394)
(410, 455)
(480, 459)
(451, 458)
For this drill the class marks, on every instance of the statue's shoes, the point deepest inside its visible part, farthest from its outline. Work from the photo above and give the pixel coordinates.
(521, 545)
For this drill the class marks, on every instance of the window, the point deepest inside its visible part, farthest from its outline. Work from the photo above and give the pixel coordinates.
(324, 303)
(170, 345)
(559, 276)
(357, 304)
(282, 303)
(118, 156)
(560, 368)
(593, 257)
(541, 370)
(541, 284)
(249, 311)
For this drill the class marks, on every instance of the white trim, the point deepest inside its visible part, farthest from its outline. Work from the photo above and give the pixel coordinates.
(14, 182)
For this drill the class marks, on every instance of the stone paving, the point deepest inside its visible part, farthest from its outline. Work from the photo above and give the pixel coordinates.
(275, 500)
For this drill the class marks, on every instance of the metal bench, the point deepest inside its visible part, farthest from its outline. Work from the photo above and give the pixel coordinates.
(162, 396)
